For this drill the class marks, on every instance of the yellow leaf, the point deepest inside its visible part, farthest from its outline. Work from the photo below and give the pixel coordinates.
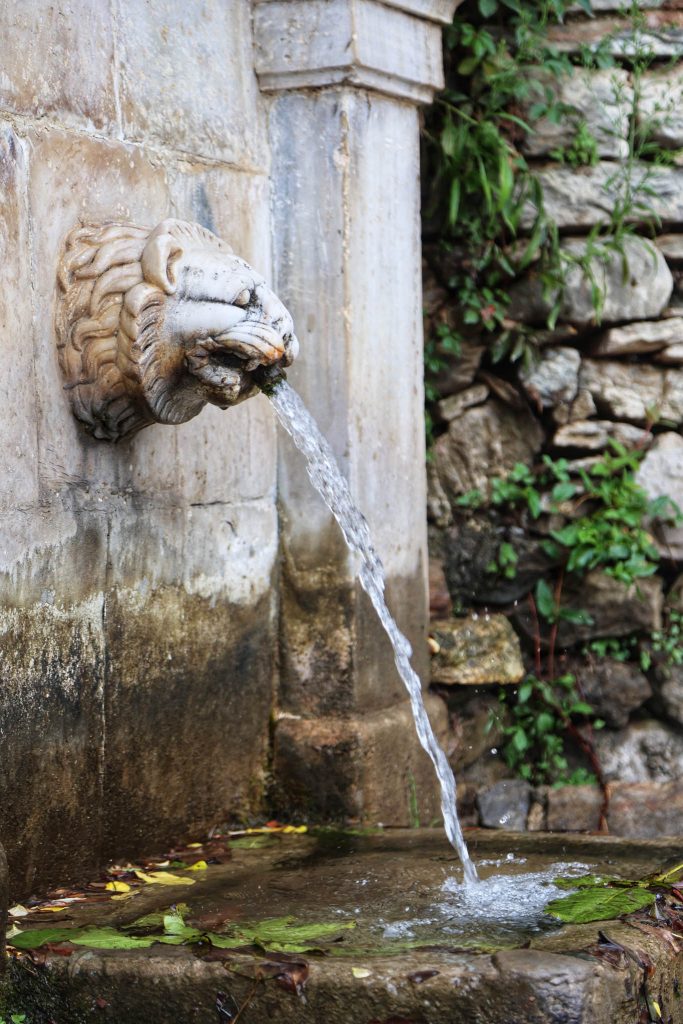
(297, 829)
(18, 911)
(51, 909)
(126, 895)
(201, 865)
(656, 1008)
(163, 878)
(193, 846)
(13, 931)
(360, 972)
(117, 887)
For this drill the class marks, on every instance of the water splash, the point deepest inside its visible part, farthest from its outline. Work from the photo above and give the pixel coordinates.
(327, 479)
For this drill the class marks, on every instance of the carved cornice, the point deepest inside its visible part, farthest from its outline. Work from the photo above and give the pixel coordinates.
(392, 47)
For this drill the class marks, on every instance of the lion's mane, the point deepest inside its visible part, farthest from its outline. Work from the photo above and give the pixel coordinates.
(107, 323)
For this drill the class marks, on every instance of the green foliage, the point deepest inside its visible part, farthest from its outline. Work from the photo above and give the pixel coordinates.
(535, 727)
(607, 527)
(582, 151)
(479, 181)
(622, 648)
(501, 69)
(506, 562)
(666, 644)
(14, 1018)
(601, 899)
(282, 934)
(613, 534)
(599, 903)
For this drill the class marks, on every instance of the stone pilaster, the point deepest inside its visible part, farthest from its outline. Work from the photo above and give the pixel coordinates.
(346, 78)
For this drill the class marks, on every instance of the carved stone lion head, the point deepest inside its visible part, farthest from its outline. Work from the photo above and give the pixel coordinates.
(153, 324)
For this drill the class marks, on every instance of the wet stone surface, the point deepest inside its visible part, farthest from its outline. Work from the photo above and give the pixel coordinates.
(398, 938)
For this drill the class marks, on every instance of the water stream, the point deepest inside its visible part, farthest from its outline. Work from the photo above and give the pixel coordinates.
(328, 481)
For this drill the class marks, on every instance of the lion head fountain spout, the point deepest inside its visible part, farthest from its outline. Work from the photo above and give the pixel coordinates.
(153, 324)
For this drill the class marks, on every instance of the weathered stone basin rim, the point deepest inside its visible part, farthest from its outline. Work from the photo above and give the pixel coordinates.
(555, 976)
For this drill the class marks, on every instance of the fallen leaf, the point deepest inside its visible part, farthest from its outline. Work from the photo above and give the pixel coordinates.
(360, 972)
(117, 887)
(200, 865)
(599, 903)
(163, 878)
(18, 911)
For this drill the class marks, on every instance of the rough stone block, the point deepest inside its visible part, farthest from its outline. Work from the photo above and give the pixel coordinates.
(632, 391)
(505, 805)
(602, 100)
(659, 109)
(646, 810)
(476, 651)
(647, 751)
(189, 83)
(595, 435)
(460, 372)
(58, 62)
(472, 543)
(640, 295)
(574, 809)
(599, 6)
(670, 692)
(473, 735)
(485, 442)
(439, 598)
(640, 338)
(615, 609)
(554, 379)
(661, 34)
(348, 768)
(18, 455)
(580, 198)
(671, 246)
(613, 688)
(75, 179)
(453, 406)
(661, 474)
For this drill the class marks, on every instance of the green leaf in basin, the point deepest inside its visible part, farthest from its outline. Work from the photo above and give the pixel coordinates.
(599, 903)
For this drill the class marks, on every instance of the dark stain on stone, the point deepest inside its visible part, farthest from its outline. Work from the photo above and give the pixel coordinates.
(201, 207)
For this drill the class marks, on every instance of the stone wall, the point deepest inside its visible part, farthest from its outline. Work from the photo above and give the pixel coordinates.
(615, 375)
(138, 619)
(153, 682)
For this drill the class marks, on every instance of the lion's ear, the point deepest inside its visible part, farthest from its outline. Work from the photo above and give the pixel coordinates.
(158, 262)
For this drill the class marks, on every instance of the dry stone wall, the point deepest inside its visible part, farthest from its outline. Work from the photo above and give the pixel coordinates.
(613, 373)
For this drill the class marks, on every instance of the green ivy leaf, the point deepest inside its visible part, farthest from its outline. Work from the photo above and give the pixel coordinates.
(487, 8)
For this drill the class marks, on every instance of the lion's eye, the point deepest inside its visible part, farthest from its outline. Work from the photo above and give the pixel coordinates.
(243, 298)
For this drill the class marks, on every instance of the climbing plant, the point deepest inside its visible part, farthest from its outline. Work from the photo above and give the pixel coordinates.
(607, 519)
(502, 75)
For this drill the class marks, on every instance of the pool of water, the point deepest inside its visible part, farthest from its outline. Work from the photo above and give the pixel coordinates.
(403, 890)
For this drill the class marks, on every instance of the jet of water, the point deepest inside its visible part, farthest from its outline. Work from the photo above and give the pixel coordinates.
(327, 479)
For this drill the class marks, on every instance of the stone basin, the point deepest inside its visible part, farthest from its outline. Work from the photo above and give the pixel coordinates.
(422, 949)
